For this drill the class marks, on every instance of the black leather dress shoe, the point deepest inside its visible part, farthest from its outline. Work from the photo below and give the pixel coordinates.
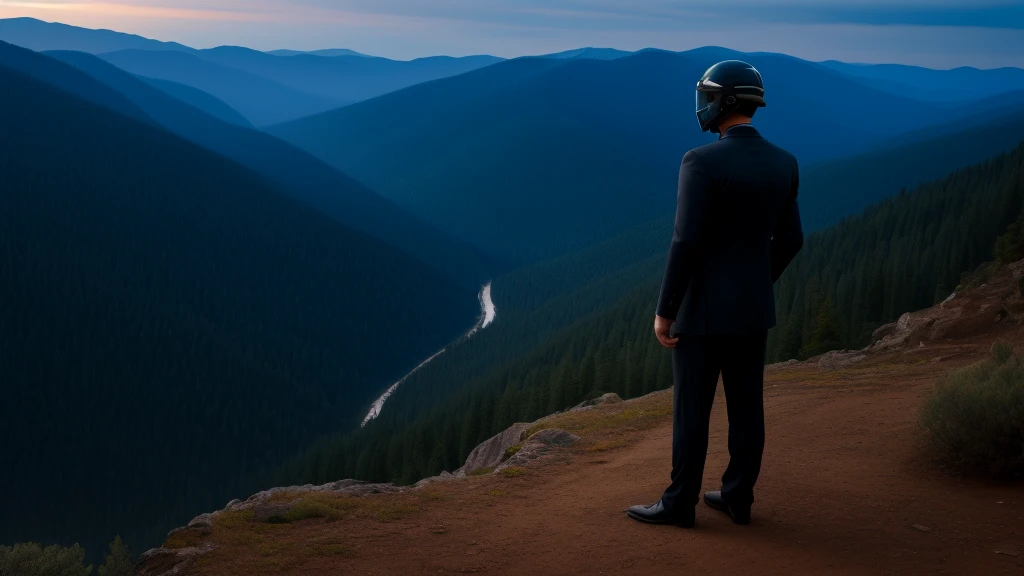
(739, 514)
(656, 514)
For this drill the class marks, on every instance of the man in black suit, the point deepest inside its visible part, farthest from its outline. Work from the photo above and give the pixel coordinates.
(737, 227)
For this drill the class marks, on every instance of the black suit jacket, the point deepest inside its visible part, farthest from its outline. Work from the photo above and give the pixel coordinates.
(737, 228)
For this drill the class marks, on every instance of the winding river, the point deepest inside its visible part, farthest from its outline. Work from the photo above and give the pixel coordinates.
(487, 314)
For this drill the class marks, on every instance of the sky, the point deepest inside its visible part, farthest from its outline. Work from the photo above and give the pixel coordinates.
(937, 34)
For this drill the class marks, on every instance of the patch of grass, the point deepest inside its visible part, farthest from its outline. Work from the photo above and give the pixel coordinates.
(513, 472)
(483, 471)
(975, 416)
(233, 519)
(637, 417)
(495, 492)
(183, 539)
(319, 505)
(511, 451)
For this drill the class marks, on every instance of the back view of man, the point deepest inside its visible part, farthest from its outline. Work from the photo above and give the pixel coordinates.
(737, 227)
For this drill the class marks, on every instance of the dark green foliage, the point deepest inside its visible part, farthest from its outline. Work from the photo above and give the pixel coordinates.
(119, 560)
(906, 253)
(34, 560)
(975, 415)
(1010, 246)
(173, 326)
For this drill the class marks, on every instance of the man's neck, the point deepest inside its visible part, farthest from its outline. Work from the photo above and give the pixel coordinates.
(730, 122)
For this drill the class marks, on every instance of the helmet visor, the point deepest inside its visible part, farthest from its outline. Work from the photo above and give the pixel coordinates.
(705, 99)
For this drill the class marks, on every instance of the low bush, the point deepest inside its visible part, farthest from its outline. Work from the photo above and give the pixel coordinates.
(975, 416)
(33, 560)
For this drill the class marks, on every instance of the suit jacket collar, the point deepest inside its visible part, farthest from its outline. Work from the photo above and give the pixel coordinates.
(742, 131)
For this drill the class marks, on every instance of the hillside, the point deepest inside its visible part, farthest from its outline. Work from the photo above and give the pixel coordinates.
(842, 430)
(957, 85)
(174, 325)
(345, 79)
(576, 151)
(306, 178)
(587, 330)
(834, 189)
(261, 100)
(38, 35)
(197, 99)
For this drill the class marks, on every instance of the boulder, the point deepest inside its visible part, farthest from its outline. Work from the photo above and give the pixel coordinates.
(491, 452)
(166, 562)
(538, 445)
(610, 398)
(839, 359)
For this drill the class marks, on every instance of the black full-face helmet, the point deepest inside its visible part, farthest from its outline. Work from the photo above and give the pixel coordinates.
(724, 88)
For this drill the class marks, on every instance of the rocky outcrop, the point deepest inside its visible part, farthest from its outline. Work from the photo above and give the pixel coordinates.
(610, 398)
(273, 505)
(491, 452)
(166, 562)
(839, 359)
(538, 445)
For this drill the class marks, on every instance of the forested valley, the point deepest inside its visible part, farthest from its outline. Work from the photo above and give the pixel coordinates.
(906, 253)
(173, 326)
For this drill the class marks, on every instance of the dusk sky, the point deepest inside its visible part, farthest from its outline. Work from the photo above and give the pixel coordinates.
(944, 34)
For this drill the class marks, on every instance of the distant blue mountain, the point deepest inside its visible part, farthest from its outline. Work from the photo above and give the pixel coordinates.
(261, 100)
(933, 85)
(297, 172)
(343, 78)
(575, 151)
(590, 53)
(38, 35)
(328, 53)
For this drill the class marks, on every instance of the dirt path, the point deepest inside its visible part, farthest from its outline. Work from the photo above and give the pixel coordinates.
(844, 483)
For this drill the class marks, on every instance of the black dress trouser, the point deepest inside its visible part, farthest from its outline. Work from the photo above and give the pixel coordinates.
(696, 363)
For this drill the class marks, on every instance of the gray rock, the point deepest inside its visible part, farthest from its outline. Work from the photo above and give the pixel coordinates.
(491, 452)
(538, 445)
(166, 562)
(839, 359)
(231, 504)
(202, 521)
(883, 331)
(610, 398)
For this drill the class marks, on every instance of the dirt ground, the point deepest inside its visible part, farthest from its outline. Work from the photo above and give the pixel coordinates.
(847, 488)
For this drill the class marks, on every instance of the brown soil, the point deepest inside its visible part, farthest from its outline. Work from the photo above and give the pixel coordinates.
(847, 488)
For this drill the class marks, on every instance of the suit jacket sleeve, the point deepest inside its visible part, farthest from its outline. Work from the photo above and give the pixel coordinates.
(789, 235)
(691, 209)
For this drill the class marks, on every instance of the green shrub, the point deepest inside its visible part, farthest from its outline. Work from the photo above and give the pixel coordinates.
(34, 560)
(1010, 246)
(119, 561)
(975, 416)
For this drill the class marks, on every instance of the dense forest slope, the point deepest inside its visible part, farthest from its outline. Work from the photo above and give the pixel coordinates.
(833, 189)
(906, 253)
(172, 325)
(576, 151)
(307, 178)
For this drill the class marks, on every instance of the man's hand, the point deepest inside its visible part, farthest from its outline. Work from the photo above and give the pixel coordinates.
(661, 329)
